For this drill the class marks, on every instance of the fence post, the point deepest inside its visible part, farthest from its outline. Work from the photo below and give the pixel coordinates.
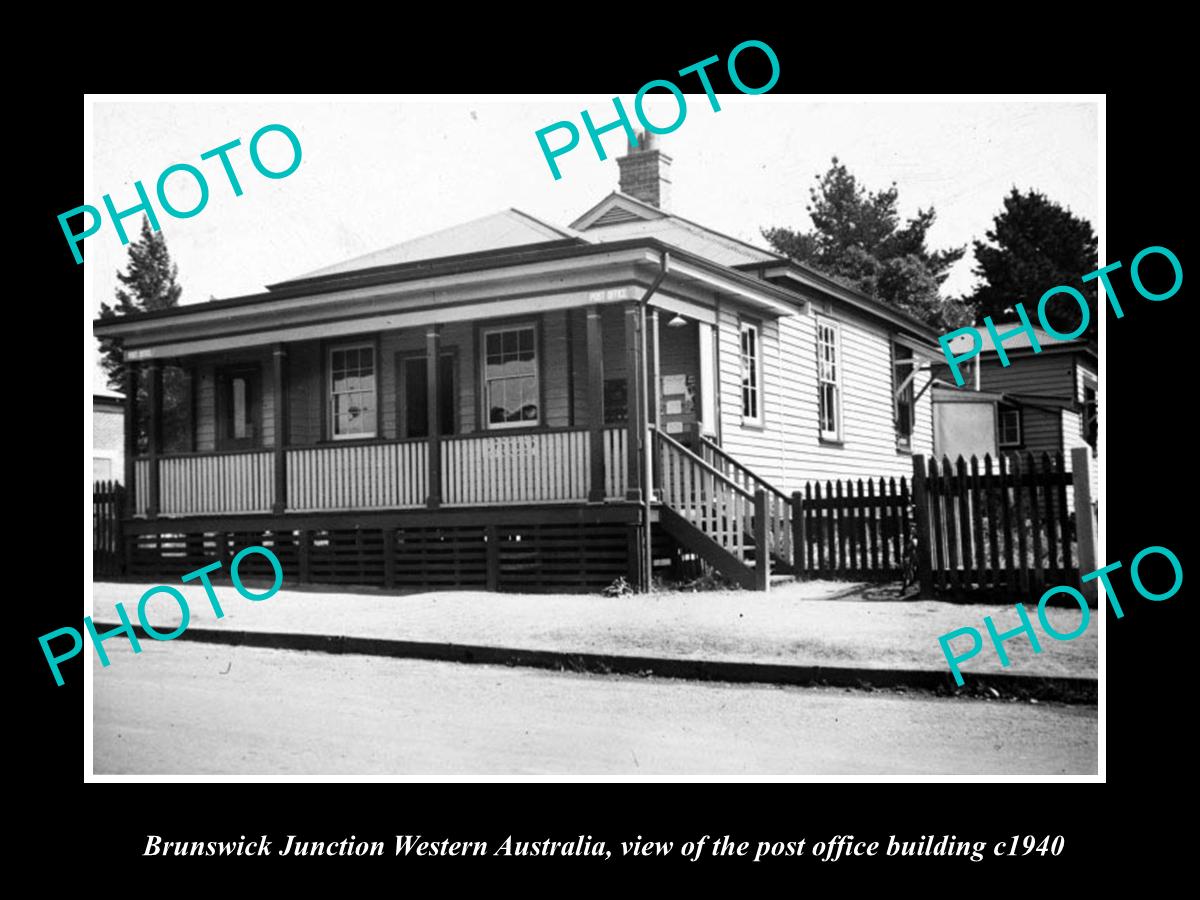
(921, 502)
(1085, 527)
(762, 549)
(799, 537)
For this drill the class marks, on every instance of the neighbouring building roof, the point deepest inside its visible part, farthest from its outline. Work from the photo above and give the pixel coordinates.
(1018, 342)
(944, 393)
(510, 228)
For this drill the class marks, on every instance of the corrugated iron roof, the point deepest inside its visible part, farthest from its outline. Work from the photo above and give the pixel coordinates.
(510, 228)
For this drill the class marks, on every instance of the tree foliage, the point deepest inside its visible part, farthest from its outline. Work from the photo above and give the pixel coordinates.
(859, 238)
(1035, 244)
(150, 282)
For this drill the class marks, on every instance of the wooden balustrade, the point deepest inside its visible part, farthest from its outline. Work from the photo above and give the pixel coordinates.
(780, 511)
(220, 483)
(616, 462)
(358, 476)
(706, 497)
(478, 469)
(535, 467)
(141, 486)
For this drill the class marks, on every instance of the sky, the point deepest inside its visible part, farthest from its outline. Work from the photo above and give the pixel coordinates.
(378, 172)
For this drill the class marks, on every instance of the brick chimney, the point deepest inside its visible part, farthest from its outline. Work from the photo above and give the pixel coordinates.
(646, 172)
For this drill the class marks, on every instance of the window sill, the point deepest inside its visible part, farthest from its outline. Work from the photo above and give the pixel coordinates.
(832, 442)
(752, 425)
(904, 451)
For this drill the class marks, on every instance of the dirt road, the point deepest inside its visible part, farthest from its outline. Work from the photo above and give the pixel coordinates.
(184, 708)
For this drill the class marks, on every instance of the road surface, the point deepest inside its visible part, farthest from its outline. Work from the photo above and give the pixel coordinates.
(183, 708)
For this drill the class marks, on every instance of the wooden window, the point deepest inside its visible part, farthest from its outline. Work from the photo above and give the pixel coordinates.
(616, 401)
(239, 407)
(352, 402)
(413, 412)
(829, 380)
(751, 364)
(1010, 426)
(511, 397)
(1088, 427)
(903, 383)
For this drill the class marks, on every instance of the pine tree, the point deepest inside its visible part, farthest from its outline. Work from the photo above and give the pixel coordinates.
(1036, 244)
(858, 238)
(149, 282)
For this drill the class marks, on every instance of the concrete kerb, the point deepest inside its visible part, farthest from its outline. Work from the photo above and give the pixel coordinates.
(998, 685)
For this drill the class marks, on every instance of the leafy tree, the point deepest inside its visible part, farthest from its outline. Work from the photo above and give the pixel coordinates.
(149, 282)
(858, 237)
(1036, 244)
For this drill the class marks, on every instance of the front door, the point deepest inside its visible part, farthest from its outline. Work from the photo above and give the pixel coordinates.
(413, 396)
(679, 388)
(239, 407)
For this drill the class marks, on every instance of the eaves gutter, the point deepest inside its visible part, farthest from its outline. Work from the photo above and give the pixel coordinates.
(816, 281)
(450, 266)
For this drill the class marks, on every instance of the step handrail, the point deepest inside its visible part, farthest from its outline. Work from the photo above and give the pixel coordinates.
(754, 476)
(712, 470)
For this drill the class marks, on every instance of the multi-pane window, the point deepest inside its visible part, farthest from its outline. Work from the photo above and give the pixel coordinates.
(903, 366)
(751, 358)
(1010, 426)
(510, 378)
(829, 380)
(352, 392)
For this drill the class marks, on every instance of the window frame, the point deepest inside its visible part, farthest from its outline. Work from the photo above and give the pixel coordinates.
(330, 412)
(837, 435)
(745, 325)
(485, 417)
(904, 443)
(1089, 380)
(1000, 412)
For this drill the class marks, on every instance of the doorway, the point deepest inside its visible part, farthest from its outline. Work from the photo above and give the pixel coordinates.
(412, 398)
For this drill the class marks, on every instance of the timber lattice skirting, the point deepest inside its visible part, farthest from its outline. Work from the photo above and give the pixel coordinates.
(560, 551)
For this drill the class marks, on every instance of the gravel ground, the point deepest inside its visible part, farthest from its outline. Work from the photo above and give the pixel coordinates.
(801, 623)
(193, 709)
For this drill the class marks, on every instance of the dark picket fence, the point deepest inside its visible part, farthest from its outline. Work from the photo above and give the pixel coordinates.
(855, 529)
(1003, 527)
(108, 498)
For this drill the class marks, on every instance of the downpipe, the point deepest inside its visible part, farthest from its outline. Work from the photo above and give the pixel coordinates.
(647, 448)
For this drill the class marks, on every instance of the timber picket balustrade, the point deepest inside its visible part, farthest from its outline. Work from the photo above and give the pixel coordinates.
(780, 508)
(480, 469)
